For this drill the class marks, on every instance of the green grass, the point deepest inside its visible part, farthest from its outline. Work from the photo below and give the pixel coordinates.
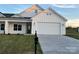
(17, 44)
(72, 33)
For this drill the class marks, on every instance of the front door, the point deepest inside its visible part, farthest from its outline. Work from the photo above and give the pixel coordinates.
(28, 27)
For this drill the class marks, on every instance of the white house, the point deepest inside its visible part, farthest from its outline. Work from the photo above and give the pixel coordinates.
(33, 19)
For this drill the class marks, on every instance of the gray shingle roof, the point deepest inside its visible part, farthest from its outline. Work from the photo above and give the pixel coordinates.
(8, 14)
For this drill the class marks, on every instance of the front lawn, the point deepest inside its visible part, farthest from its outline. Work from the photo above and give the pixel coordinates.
(17, 44)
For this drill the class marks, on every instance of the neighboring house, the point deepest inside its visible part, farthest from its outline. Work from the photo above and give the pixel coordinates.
(33, 19)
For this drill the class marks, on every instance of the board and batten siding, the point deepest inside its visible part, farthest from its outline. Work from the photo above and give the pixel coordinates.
(52, 18)
(11, 28)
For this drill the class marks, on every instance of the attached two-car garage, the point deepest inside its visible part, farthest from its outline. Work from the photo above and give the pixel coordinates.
(48, 22)
(48, 28)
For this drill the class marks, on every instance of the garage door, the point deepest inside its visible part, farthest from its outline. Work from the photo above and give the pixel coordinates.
(48, 28)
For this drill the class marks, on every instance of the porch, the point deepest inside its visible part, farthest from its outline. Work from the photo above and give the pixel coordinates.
(15, 27)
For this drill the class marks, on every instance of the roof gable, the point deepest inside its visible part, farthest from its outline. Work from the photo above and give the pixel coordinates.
(34, 7)
(49, 11)
(31, 11)
(57, 13)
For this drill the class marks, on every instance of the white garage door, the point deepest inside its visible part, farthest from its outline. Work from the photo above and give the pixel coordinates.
(48, 28)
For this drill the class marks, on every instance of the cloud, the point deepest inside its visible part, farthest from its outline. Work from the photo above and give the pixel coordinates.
(72, 23)
(65, 5)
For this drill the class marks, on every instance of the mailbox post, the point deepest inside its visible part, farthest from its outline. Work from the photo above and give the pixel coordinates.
(35, 42)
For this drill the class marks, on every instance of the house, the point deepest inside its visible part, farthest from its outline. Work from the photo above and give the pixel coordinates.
(33, 19)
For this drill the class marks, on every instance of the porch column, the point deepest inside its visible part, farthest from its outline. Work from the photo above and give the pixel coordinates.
(6, 27)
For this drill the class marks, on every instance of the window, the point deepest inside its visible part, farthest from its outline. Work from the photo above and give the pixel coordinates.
(48, 13)
(35, 11)
(17, 27)
(2, 26)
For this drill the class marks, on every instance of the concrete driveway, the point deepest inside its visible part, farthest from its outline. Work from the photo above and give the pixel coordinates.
(54, 44)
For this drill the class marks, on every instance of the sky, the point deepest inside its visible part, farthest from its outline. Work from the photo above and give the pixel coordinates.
(69, 11)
